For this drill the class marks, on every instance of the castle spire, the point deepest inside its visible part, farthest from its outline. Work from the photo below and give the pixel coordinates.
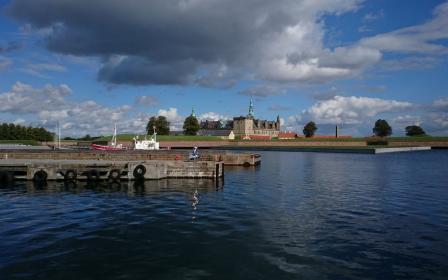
(193, 113)
(251, 108)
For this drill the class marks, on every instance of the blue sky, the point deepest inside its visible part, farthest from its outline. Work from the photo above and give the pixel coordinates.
(91, 64)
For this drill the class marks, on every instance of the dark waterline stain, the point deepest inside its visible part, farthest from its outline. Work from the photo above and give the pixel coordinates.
(297, 216)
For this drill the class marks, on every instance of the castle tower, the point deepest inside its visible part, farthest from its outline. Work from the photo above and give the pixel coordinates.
(193, 113)
(251, 109)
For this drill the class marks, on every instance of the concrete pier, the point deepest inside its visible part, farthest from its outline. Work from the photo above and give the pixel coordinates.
(244, 159)
(94, 170)
(400, 149)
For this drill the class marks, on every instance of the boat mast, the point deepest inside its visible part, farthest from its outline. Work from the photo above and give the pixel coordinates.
(154, 135)
(114, 137)
(59, 136)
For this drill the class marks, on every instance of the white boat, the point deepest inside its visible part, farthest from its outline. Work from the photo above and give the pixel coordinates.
(146, 144)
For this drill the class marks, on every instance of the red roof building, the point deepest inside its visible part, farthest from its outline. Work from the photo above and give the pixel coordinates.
(287, 135)
(260, 137)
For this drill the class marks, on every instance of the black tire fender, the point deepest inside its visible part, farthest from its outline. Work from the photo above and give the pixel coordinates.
(40, 176)
(70, 175)
(93, 175)
(139, 171)
(115, 174)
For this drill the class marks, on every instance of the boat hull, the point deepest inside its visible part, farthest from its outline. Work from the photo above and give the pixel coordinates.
(105, 148)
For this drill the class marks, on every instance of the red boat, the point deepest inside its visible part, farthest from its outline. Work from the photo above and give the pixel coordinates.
(113, 144)
(106, 148)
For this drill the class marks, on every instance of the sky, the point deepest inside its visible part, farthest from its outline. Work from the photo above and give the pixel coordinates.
(91, 64)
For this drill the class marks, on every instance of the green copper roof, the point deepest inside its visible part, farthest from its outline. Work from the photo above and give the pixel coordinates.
(251, 108)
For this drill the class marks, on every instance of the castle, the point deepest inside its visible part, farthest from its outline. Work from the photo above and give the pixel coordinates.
(249, 127)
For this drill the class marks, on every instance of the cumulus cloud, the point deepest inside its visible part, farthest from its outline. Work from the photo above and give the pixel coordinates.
(176, 120)
(441, 103)
(23, 98)
(213, 116)
(142, 44)
(351, 109)
(49, 104)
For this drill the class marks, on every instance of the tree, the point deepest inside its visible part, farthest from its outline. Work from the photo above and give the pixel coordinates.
(191, 125)
(161, 124)
(309, 129)
(18, 132)
(415, 130)
(87, 137)
(382, 128)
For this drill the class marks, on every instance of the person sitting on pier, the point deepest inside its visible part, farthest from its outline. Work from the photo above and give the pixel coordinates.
(195, 154)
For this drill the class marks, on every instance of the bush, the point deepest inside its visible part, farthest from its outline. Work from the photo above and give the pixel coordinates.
(377, 142)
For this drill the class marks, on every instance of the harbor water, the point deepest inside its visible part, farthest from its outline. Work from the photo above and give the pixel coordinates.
(296, 216)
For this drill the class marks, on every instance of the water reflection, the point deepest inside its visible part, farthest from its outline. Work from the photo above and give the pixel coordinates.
(297, 216)
(190, 186)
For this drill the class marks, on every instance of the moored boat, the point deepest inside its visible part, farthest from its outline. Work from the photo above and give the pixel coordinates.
(114, 146)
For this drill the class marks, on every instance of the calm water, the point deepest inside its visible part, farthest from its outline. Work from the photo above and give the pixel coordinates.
(297, 216)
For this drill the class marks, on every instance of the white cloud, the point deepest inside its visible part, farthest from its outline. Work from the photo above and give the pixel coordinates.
(441, 103)
(24, 98)
(213, 116)
(418, 39)
(48, 105)
(406, 120)
(351, 109)
(176, 120)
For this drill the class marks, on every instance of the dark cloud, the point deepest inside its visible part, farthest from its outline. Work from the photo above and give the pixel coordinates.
(139, 71)
(185, 41)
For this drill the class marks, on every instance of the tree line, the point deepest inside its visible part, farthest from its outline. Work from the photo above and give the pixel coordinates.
(380, 129)
(191, 127)
(10, 131)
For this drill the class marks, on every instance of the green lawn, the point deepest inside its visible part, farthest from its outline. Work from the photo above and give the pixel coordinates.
(129, 137)
(357, 139)
(419, 138)
(23, 142)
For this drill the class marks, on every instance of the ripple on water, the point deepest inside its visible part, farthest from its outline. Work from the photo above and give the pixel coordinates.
(298, 215)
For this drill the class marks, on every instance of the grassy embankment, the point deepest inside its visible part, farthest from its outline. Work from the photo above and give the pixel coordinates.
(129, 137)
(22, 142)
